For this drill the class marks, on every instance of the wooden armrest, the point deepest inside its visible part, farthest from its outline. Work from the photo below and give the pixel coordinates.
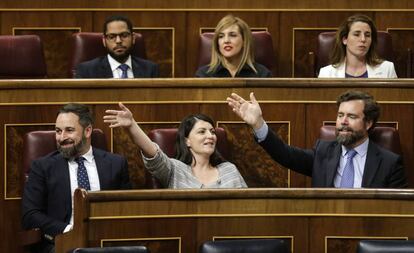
(29, 237)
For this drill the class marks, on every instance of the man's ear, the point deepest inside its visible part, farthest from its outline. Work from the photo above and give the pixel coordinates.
(133, 38)
(104, 41)
(88, 131)
(368, 124)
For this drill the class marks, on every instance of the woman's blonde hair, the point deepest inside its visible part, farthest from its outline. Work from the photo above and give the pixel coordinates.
(247, 50)
(339, 51)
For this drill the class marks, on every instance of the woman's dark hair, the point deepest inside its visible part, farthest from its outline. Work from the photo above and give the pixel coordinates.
(339, 50)
(183, 153)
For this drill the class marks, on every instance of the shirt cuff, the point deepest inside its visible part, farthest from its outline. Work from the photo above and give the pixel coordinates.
(155, 156)
(261, 133)
(68, 228)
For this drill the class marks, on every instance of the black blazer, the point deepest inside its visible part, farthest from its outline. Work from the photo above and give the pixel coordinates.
(383, 169)
(100, 68)
(246, 71)
(47, 200)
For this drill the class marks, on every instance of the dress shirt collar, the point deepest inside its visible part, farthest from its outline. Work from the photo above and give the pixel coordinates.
(115, 64)
(88, 155)
(360, 149)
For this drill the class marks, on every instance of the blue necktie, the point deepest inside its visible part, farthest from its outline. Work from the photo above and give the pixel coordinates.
(347, 180)
(124, 69)
(83, 180)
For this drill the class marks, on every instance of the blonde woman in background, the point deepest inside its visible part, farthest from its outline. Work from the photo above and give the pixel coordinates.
(232, 53)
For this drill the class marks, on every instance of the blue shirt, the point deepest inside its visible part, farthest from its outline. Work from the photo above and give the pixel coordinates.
(358, 161)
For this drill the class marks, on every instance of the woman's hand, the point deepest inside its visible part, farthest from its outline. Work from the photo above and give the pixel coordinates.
(121, 118)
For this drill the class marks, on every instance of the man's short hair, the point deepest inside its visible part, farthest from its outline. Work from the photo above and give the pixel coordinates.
(117, 18)
(371, 108)
(83, 112)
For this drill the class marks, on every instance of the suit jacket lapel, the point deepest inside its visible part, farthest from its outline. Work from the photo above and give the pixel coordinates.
(106, 71)
(135, 68)
(371, 164)
(103, 167)
(332, 162)
(63, 167)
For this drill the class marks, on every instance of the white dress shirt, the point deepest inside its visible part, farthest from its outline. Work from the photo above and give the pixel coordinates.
(93, 176)
(116, 71)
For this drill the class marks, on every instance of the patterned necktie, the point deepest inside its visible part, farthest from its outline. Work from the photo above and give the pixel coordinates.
(83, 180)
(347, 180)
(124, 69)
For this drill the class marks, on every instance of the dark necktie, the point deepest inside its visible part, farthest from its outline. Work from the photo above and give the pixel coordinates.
(347, 180)
(83, 180)
(124, 69)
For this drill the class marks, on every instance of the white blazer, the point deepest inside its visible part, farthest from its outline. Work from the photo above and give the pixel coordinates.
(383, 70)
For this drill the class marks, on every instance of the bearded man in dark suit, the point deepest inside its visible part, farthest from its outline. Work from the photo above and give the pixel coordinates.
(48, 194)
(370, 166)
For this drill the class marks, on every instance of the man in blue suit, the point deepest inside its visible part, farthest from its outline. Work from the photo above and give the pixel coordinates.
(48, 194)
(370, 166)
(118, 39)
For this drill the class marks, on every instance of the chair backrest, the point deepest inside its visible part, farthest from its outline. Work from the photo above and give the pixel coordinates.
(120, 249)
(326, 42)
(386, 137)
(22, 57)
(88, 45)
(40, 143)
(166, 139)
(385, 246)
(263, 48)
(245, 246)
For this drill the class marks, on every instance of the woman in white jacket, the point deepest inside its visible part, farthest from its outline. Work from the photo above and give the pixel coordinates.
(354, 54)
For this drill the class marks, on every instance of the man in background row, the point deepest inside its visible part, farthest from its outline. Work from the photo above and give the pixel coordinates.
(119, 41)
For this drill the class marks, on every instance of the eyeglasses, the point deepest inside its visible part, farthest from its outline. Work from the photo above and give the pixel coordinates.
(113, 36)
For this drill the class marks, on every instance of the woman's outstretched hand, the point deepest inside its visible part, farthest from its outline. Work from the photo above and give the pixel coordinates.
(119, 118)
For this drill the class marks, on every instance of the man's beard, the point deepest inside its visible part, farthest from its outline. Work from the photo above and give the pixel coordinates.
(73, 151)
(121, 58)
(348, 139)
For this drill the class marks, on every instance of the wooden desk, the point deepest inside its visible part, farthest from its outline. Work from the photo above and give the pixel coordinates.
(311, 220)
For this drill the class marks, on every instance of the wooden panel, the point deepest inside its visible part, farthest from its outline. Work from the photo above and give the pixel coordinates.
(305, 44)
(54, 29)
(166, 244)
(54, 40)
(341, 234)
(402, 42)
(159, 48)
(200, 4)
(309, 219)
(398, 25)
